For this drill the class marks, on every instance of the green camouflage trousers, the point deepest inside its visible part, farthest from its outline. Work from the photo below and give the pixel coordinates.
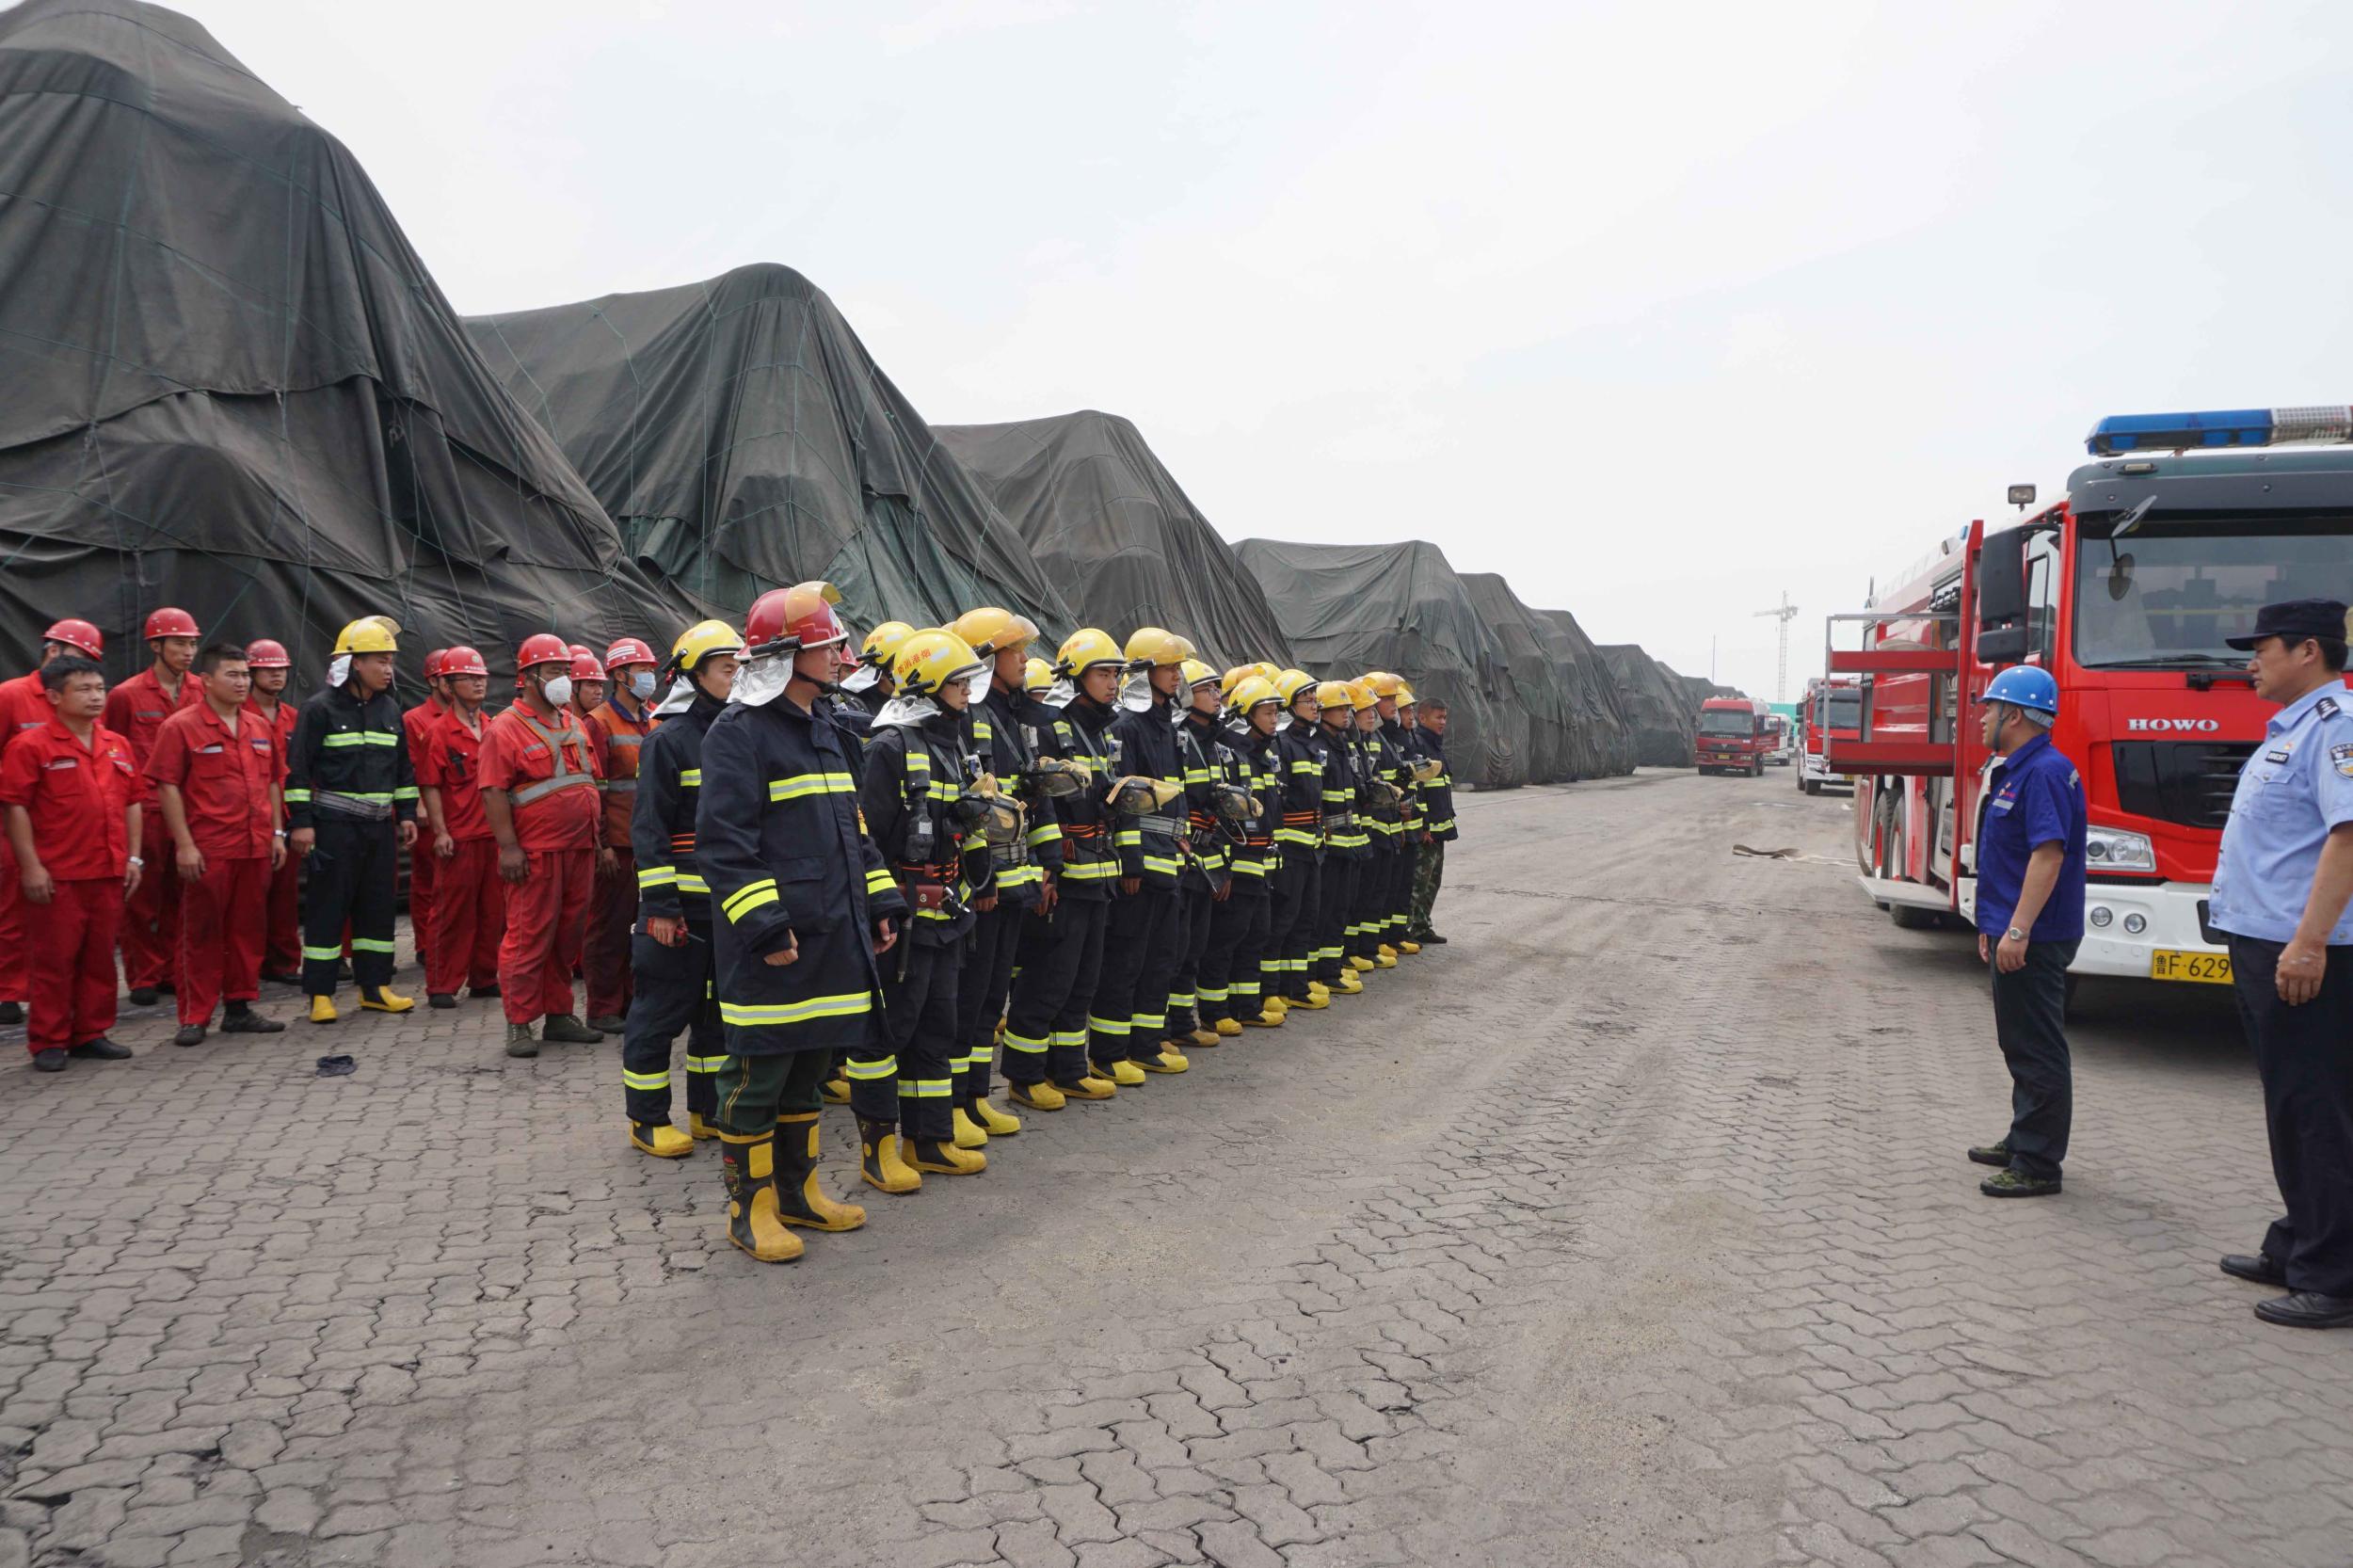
(1429, 871)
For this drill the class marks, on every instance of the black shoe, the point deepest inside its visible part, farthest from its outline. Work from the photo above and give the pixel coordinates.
(246, 1022)
(102, 1049)
(12, 1014)
(608, 1023)
(143, 996)
(480, 993)
(164, 987)
(190, 1035)
(2307, 1309)
(50, 1061)
(1997, 1155)
(562, 1028)
(2260, 1267)
(1431, 939)
(441, 1002)
(2018, 1184)
(283, 977)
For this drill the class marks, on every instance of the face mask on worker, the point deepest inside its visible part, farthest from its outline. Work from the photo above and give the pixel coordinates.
(760, 682)
(641, 685)
(556, 692)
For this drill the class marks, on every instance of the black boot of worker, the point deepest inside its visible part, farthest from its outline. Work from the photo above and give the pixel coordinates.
(747, 1162)
(880, 1161)
(799, 1200)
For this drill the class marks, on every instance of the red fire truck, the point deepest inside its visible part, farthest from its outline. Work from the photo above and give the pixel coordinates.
(1833, 710)
(2164, 546)
(1733, 735)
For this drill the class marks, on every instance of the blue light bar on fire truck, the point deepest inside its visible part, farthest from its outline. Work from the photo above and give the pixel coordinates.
(2221, 427)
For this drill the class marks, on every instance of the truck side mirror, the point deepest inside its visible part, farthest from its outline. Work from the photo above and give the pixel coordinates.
(2002, 597)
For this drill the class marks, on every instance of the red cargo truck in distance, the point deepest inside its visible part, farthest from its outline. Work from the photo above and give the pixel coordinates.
(1733, 735)
(1833, 710)
(2165, 545)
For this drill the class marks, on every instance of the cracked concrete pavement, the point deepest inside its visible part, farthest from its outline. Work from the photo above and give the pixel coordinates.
(1630, 1227)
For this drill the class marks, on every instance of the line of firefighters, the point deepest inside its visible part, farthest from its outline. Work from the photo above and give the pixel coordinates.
(845, 875)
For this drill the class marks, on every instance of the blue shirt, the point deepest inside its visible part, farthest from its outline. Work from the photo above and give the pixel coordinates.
(2033, 797)
(2296, 786)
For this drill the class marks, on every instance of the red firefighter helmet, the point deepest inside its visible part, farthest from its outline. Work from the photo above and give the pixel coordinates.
(170, 622)
(584, 665)
(434, 662)
(77, 633)
(263, 653)
(463, 660)
(788, 620)
(542, 648)
(629, 650)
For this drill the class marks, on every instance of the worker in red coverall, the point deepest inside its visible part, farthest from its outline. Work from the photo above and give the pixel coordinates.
(70, 794)
(422, 870)
(281, 935)
(470, 908)
(616, 728)
(539, 793)
(218, 770)
(24, 705)
(135, 710)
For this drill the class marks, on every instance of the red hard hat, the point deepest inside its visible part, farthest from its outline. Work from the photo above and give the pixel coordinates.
(463, 660)
(584, 665)
(542, 648)
(263, 654)
(627, 650)
(786, 620)
(434, 662)
(77, 633)
(168, 622)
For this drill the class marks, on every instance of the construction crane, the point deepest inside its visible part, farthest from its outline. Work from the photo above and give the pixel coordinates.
(1785, 612)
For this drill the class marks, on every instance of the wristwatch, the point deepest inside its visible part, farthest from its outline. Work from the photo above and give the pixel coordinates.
(2013, 934)
(135, 861)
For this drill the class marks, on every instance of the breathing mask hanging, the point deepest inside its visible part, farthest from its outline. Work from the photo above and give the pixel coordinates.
(1426, 769)
(1057, 777)
(1134, 795)
(1233, 803)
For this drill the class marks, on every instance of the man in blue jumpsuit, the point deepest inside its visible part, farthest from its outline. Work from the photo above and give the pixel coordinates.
(2030, 920)
(2282, 889)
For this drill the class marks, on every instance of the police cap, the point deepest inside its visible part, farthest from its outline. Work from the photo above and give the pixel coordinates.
(2295, 619)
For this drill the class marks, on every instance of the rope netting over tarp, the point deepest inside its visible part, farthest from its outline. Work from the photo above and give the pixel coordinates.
(1115, 530)
(228, 383)
(1350, 609)
(1592, 690)
(1572, 731)
(742, 438)
(1664, 715)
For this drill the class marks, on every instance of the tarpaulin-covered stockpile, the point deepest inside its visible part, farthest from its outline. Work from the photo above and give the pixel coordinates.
(227, 382)
(1527, 679)
(742, 438)
(1593, 690)
(1117, 532)
(1664, 715)
(1348, 609)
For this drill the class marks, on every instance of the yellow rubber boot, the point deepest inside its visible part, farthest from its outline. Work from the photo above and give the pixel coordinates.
(942, 1156)
(1318, 989)
(661, 1140)
(970, 1134)
(698, 1127)
(799, 1200)
(1408, 949)
(836, 1090)
(1127, 1075)
(386, 1000)
(1087, 1088)
(995, 1121)
(1204, 1038)
(1169, 1061)
(1384, 959)
(748, 1164)
(1384, 951)
(1350, 986)
(1268, 1019)
(1228, 1028)
(1037, 1097)
(1362, 965)
(879, 1160)
(323, 1010)
(1315, 1002)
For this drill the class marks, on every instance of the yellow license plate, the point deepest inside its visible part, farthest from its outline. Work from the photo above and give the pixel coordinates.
(2206, 969)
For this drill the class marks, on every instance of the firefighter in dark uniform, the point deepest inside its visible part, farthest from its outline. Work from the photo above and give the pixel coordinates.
(1292, 920)
(1396, 702)
(1131, 1005)
(1025, 849)
(2284, 890)
(867, 682)
(1062, 949)
(1345, 841)
(1230, 986)
(920, 798)
(1207, 880)
(804, 909)
(670, 950)
(1382, 817)
(351, 801)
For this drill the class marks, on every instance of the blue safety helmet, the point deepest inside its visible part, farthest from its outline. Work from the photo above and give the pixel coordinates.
(2026, 686)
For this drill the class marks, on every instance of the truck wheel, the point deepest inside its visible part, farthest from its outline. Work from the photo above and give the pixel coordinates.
(1907, 918)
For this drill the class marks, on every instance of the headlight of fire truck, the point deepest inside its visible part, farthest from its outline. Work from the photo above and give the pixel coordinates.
(2112, 849)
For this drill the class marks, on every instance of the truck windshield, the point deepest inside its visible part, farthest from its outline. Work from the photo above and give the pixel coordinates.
(1846, 711)
(2179, 594)
(1724, 721)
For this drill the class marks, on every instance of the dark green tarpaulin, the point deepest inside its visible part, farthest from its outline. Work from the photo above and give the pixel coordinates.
(1592, 690)
(1575, 732)
(742, 438)
(1664, 714)
(1117, 533)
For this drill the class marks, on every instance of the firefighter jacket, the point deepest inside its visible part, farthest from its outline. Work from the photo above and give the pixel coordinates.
(1003, 727)
(661, 819)
(852, 718)
(1151, 847)
(1298, 757)
(1081, 732)
(1201, 751)
(916, 775)
(1256, 765)
(1404, 747)
(349, 760)
(1380, 763)
(788, 859)
(1437, 796)
(1344, 835)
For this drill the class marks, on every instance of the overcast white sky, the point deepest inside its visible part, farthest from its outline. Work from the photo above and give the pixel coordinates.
(1659, 310)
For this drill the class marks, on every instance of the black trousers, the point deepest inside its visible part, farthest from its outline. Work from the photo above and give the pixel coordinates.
(349, 878)
(754, 1090)
(980, 990)
(1229, 984)
(905, 1071)
(2029, 1021)
(2305, 1055)
(672, 992)
(1136, 947)
(1400, 900)
(1298, 893)
(1045, 1027)
(1193, 907)
(1338, 897)
(1370, 911)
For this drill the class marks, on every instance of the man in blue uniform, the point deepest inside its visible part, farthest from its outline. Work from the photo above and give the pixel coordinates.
(2030, 920)
(2282, 890)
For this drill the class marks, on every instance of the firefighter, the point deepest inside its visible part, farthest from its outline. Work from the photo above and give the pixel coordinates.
(469, 909)
(1230, 983)
(1437, 829)
(135, 710)
(70, 794)
(1126, 1019)
(670, 950)
(1396, 704)
(422, 866)
(351, 801)
(1382, 803)
(539, 793)
(919, 798)
(1298, 890)
(869, 681)
(281, 936)
(1345, 841)
(218, 770)
(1207, 878)
(2283, 892)
(25, 706)
(617, 729)
(807, 910)
(1025, 850)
